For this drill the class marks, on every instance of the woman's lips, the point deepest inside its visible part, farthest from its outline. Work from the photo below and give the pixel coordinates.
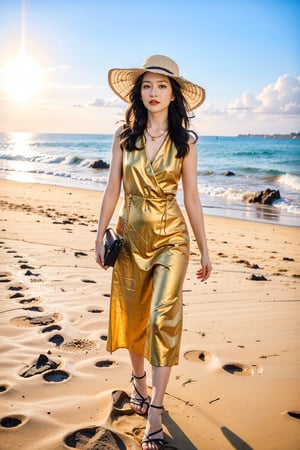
(154, 102)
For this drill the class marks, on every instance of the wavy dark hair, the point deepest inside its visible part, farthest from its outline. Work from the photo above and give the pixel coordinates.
(136, 120)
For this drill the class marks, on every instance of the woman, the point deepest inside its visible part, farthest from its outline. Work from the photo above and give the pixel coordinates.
(151, 153)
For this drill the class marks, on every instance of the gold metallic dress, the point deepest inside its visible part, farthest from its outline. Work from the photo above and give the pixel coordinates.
(147, 280)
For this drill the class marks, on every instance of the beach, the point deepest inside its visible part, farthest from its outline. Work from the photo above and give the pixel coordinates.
(237, 385)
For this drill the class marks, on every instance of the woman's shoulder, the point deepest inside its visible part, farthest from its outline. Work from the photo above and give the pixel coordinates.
(119, 130)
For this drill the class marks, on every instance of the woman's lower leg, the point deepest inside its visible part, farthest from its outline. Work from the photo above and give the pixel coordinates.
(160, 379)
(139, 388)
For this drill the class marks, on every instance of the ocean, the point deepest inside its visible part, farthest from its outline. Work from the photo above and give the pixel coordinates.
(257, 163)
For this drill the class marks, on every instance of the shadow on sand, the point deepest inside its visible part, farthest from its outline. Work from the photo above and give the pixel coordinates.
(234, 440)
(179, 440)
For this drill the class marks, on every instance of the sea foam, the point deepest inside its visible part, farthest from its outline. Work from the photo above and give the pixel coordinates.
(290, 181)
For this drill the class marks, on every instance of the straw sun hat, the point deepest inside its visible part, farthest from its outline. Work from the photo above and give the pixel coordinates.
(121, 81)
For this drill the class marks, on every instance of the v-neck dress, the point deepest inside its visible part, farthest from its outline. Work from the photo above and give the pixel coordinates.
(147, 279)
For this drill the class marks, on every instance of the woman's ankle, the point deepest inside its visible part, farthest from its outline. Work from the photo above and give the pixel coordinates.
(138, 376)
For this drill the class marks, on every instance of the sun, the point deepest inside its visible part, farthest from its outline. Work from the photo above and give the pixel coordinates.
(22, 78)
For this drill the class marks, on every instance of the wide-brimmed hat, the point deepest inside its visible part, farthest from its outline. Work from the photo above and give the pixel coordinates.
(122, 81)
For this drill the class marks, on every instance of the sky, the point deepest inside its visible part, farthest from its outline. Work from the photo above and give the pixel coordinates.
(246, 54)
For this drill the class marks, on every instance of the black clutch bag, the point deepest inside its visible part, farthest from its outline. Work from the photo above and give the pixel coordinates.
(113, 245)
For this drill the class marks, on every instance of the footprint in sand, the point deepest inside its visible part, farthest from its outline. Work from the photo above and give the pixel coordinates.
(13, 421)
(95, 310)
(204, 357)
(80, 254)
(104, 438)
(105, 363)
(5, 274)
(294, 414)
(29, 301)
(57, 339)
(28, 273)
(101, 438)
(16, 295)
(121, 404)
(34, 309)
(242, 369)
(16, 288)
(51, 328)
(26, 322)
(5, 277)
(56, 376)
(199, 356)
(3, 388)
(26, 266)
(41, 365)
(79, 345)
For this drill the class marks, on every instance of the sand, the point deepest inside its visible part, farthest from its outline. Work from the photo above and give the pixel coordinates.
(237, 384)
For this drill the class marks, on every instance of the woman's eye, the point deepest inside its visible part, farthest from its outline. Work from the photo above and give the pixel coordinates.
(162, 86)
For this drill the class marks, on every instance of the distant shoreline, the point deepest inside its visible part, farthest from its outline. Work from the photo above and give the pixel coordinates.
(272, 136)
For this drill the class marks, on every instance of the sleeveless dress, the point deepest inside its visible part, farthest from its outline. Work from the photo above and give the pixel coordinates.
(147, 279)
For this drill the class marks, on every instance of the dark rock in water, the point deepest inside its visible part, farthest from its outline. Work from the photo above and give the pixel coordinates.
(228, 173)
(99, 164)
(266, 197)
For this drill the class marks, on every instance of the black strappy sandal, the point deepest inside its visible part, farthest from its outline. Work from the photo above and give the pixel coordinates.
(141, 401)
(149, 439)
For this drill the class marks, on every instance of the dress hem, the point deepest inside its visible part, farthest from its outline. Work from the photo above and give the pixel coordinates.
(111, 351)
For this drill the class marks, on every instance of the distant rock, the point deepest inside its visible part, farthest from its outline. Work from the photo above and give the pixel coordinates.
(266, 197)
(228, 173)
(272, 136)
(254, 277)
(99, 164)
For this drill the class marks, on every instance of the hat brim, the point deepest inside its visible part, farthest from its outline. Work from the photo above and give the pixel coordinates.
(121, 81)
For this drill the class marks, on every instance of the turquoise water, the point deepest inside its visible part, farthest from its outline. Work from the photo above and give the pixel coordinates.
(258, 163)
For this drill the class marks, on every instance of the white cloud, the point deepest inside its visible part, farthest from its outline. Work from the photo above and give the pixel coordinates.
(281, 97)
(102, 103)
(208, 108)
(98, 102)
(246, 102)
(274, 110)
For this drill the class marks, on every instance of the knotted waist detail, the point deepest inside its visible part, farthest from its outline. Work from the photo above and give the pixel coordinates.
(167, 200)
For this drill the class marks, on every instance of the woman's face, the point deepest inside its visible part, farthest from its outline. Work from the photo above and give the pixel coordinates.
(156, 92)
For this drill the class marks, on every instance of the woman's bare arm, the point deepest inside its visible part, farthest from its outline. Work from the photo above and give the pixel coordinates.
(110, 197)
(194, 209)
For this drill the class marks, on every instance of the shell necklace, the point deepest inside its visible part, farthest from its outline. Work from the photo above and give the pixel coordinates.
(153, 138)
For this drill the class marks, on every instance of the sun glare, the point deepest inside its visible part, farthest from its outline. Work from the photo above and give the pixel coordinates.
(22, 78)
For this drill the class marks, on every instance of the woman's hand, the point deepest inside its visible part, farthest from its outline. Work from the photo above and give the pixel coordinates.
(206, 268)
(99, 254)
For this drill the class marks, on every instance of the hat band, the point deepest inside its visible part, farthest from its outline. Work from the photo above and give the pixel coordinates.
(159, 68)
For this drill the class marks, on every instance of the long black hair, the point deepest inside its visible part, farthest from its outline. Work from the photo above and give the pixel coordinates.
(136, 120)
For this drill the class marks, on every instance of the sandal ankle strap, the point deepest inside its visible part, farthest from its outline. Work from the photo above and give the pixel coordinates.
(156, 407)
(134, 377)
